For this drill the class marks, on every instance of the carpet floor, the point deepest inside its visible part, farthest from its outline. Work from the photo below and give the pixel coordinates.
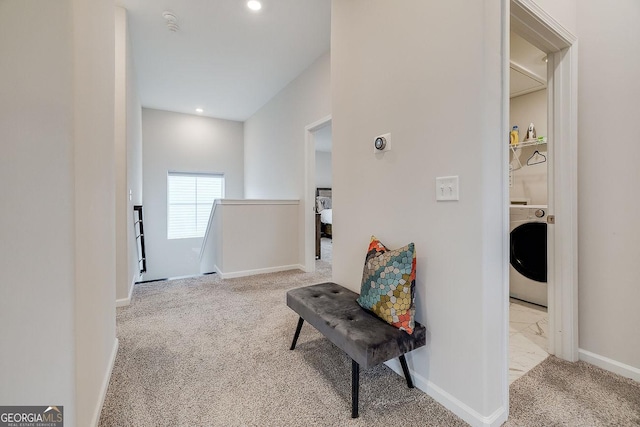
(210, 352)
(561, 393)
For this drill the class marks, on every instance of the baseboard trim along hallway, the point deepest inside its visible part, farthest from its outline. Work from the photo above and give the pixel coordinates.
(462, 410)
(244, 273)
(105, 384)
(122, 302)
(609, 364)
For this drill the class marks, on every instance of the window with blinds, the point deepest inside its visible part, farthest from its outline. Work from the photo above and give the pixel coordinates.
(190, 197)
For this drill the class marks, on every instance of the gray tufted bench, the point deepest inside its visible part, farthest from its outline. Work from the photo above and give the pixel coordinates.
(367, 339)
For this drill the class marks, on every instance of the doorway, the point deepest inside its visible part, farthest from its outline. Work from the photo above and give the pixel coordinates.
(323, 195)
(318, 173)
(528, 207)
(536, 27)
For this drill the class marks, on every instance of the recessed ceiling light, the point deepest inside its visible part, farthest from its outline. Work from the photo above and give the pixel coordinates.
(254, 5)
(199, 110)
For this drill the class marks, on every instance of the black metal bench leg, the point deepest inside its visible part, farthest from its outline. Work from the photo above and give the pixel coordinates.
(355, 388)
(405, 369)
(295, 337)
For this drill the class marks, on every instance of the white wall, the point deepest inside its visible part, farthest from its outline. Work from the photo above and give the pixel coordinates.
(120, 141)
(260, 237)
(94, 163)
(37, 254)
(529, 181)
(128, 145)
(252, 237)
(134, 162)
(323, 169)
(183, 143)
(563, 11)
(275, 137)
(57, 263)
(608, 177)
(440, 82)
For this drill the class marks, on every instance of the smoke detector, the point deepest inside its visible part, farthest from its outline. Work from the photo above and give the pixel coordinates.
(172, 21)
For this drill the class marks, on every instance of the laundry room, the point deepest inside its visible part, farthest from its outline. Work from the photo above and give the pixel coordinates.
(528, 172)
(528, 119)
(529, 157)
(528, 194)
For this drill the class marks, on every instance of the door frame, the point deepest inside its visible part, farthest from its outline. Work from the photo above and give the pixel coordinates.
(527, 19)
(308, 199)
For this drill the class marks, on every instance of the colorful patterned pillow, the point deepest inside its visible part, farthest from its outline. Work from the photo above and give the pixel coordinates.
(388, 284)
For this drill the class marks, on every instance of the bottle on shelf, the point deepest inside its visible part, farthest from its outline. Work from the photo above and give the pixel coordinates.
(531, 133)
(514, 137)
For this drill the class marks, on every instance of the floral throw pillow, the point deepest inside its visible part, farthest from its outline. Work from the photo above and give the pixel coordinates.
(388, 284)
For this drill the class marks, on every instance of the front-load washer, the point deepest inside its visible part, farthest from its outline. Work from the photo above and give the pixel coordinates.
(528, 253)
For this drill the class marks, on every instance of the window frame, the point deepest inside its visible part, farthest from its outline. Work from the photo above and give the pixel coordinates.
(196, 175)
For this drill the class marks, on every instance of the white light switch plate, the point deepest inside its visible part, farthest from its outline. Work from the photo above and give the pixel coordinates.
(447, 188)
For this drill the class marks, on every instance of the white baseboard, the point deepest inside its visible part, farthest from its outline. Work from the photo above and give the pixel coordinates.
(217, 270)
(234, 274)
(609, 364)
(105, 384)
(463, 411)
(126, 301)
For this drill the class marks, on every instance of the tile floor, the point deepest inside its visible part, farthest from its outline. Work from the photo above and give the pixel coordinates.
(528, 337)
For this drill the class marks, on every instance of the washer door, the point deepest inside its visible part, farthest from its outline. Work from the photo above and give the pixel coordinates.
(529, 250)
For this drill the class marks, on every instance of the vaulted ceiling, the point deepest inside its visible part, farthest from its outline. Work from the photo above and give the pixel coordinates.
(224, 58)
(229, 61)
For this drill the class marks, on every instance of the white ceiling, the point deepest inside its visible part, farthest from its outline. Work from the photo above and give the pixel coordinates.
(528, 68)
(230, 61)
(225, 58)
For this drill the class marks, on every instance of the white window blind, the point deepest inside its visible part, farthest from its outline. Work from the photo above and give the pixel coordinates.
(190, 197)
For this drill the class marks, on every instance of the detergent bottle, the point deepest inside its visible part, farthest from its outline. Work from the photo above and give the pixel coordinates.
(514, 137)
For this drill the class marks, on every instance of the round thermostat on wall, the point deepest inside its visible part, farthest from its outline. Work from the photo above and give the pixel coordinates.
(382, 143)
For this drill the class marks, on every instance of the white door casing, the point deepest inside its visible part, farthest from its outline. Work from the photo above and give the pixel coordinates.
(544, 32)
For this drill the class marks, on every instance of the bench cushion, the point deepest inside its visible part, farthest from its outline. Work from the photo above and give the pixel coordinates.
(333, 310)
